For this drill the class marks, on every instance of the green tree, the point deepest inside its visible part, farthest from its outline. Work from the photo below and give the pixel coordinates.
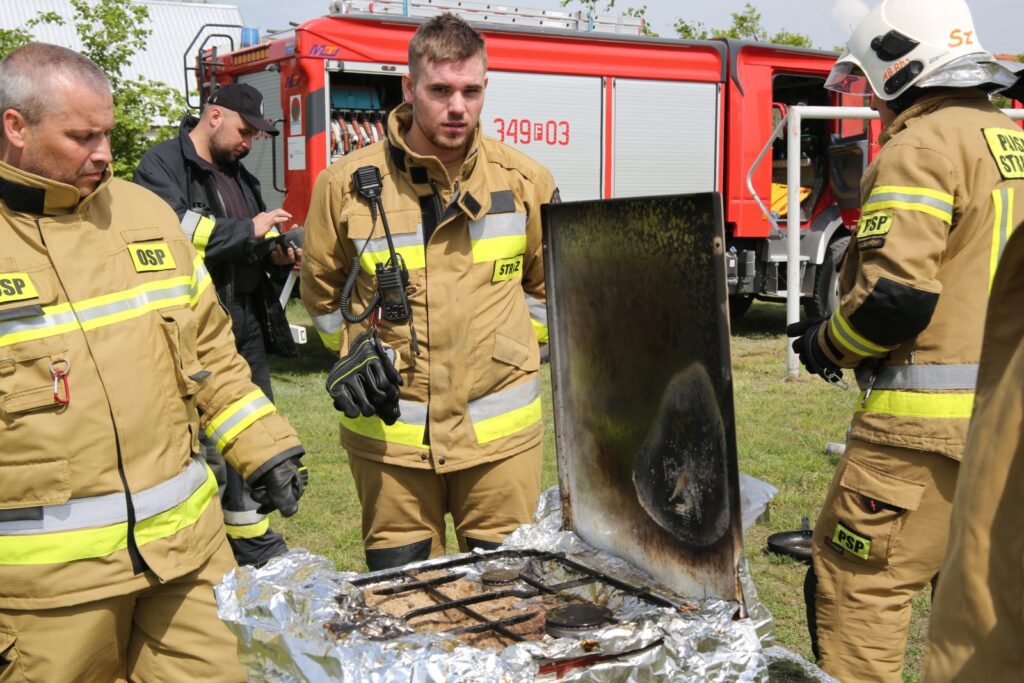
(111, 33)
(746, 25)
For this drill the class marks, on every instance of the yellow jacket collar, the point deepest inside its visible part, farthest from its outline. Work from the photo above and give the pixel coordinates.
(28, 193)
(425, 172)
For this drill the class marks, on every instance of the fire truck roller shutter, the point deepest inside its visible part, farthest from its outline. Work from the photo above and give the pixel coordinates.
(260, 159)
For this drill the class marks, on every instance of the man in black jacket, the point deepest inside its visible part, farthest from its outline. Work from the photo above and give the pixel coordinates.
(200, 175)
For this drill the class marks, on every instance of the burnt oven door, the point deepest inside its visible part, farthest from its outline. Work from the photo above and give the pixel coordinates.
(642, 385)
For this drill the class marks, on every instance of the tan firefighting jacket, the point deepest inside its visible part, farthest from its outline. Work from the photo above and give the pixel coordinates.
(978, 611)
(476, 372)
(114, 352)
(937, 205)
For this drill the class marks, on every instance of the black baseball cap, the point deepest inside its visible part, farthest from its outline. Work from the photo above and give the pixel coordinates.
(246, 101)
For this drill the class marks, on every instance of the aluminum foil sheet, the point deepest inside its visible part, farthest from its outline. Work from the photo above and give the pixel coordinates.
(280, 614)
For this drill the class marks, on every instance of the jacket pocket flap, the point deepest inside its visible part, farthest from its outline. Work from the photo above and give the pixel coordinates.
(882, 486)
(508, 350)
(23, 291)
(33, 484)
(362, 226)
(142, 234)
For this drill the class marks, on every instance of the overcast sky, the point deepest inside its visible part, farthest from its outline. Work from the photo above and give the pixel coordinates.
(827, 22)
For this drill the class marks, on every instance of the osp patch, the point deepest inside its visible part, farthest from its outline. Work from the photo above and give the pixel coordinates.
(151, 256)
(16, 287)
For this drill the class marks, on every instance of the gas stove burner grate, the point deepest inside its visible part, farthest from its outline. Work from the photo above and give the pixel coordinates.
(436, 580)
(570, 621)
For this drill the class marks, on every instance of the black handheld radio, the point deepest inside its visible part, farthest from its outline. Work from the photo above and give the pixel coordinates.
(393, 276)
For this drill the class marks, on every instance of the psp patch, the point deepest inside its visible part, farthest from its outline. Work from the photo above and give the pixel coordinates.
(1007, 147)
(16, 287)
(507, 268)
(872, 229)
(151, 256)
(846, 540)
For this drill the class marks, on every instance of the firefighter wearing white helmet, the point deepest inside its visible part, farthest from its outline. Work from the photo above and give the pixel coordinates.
(938, 204)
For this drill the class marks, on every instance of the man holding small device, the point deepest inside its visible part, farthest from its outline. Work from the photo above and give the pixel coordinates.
(422, 252)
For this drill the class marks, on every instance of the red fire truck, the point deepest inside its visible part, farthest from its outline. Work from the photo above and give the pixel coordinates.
(611, 114)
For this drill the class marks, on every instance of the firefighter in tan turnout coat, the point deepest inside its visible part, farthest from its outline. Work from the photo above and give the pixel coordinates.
(464, 215)
(937, 204)
(114, 353)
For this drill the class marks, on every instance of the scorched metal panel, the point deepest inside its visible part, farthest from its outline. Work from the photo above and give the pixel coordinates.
(642, 385)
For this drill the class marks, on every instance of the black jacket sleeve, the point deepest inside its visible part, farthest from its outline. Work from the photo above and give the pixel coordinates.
(231, 239)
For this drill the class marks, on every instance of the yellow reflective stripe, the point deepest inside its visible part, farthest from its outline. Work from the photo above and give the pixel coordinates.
(202, 234)
(497, 248)
(248, 530)
(109, 309)
(331, 340)
(200, 281)
(508, 423)
(414, 256)
(54, 320)
(844, 334)
(1002, 228)
(238, 417)
(68, 546)
(540, 330)
(921, 199)
(402, 433)
(917, 404)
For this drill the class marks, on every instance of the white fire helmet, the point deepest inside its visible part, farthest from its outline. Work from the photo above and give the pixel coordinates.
(927, 43)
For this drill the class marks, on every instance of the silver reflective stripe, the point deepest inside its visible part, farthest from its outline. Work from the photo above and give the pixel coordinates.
(140, 300)
(504, 401)
(413, 413)
(242, 518)
(933, 202)
(329, 323)
(538, 309)
(100, 511)
(225, 428)
(40, 322)
(189, 223)
(497, 225)
(408, 239)
(850, 342)
(921, 377)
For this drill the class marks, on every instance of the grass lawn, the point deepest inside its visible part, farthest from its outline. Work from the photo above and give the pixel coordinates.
(781, 429)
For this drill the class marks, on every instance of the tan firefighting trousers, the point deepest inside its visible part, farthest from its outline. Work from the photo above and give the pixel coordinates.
(405, 505)
(880, 539)
(166, 632)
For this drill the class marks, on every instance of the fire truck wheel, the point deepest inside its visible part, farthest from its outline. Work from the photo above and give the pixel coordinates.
(825, 298)
(738, 305)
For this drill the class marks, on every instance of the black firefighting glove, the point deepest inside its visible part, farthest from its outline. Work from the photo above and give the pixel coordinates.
(811, 354)
(280, 487)
(365, 382)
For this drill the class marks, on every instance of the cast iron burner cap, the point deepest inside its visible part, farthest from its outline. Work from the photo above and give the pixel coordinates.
(571, 621)
(499, 577)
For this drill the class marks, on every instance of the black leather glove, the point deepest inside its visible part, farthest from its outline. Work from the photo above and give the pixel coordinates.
(280, 487)
(365, 382)
(811, 354)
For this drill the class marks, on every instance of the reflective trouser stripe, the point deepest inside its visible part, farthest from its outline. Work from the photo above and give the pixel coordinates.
(921, 199)
(73, 531)
(248, 530)
(407, 245)
(1001, 229)
(198, 228)
(108, 309)
(237, 417)
(921, 377)
(538, 317)
(498, 236)
(408, 431)
(506, 412)
(854, 343)
(328, 326)
(908, 404)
